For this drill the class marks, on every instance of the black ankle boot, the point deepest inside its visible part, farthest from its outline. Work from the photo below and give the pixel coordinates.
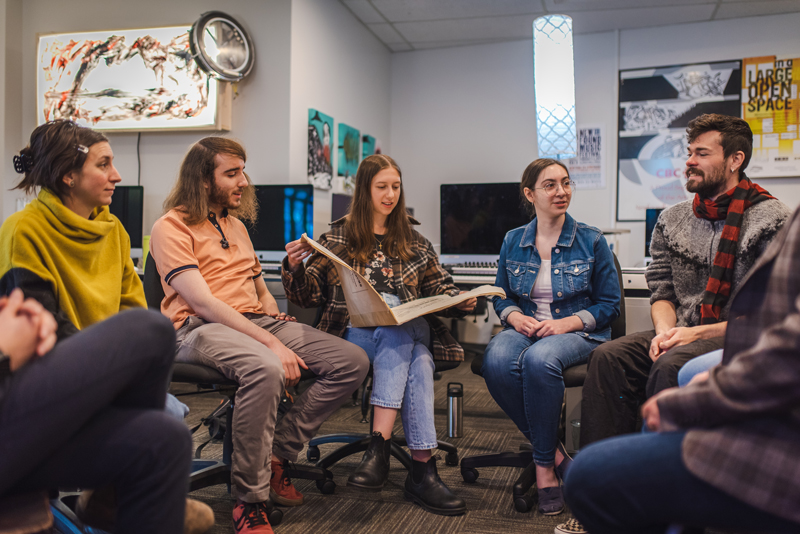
(424, 487)
(372, 472)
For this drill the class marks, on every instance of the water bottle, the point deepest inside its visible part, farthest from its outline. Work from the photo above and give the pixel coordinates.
(455, 415)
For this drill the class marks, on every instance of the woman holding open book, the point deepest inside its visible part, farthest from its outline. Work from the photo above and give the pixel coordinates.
(562, 293)
(377, 239)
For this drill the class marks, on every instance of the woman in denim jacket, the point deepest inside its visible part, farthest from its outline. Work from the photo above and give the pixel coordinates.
(562, 293)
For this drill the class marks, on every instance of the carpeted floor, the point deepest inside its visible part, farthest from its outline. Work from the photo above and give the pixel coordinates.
(490, 508)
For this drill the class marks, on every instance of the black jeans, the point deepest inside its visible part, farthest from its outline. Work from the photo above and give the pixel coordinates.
(621, 376)
(90, 413)
(638, 484)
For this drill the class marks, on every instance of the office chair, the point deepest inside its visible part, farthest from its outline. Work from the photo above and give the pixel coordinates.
(573, 377)
(211, 472)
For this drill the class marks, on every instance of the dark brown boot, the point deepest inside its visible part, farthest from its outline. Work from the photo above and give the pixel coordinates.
(372, 472)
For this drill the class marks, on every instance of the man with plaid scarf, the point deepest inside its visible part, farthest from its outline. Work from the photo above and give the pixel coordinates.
(701, 250)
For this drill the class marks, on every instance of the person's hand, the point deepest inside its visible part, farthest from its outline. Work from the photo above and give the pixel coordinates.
(679, 336)
(522, 323)
(291, 362)
(550, 327)
(655, 346)
(467, 305)
(283, 317)
(699, 378)
(651, 416)
(19, 331)
(297, 252)
(47, 325)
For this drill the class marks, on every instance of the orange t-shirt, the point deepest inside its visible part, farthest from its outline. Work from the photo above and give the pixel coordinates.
(229, 272)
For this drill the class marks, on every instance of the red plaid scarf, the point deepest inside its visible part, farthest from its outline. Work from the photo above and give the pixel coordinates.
(729, 206)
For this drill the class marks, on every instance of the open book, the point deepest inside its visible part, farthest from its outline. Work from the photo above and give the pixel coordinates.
(367, 308)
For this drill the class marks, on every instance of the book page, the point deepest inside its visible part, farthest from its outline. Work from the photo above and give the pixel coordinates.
(416, 308)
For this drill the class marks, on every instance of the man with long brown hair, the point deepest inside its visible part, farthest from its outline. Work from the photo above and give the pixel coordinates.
(226, 319)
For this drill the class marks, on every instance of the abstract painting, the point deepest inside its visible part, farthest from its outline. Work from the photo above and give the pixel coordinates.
(655, 106)
(349, 145)
(125, 80)
(369, 146)
(320, 133)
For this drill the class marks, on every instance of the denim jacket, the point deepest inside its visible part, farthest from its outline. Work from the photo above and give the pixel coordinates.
(584, 277)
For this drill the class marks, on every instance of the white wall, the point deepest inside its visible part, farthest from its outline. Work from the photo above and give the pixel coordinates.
(339, 68)
(260, 113)
(467, 114)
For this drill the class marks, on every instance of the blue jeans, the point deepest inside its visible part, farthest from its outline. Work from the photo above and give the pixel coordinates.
(697, 365)
(524, 376)
(175, 408)
(638, 483)
(402, 375)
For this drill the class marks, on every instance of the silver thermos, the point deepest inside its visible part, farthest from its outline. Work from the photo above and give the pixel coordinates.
(455, 408)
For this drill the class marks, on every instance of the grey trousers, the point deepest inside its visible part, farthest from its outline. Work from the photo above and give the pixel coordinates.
(339, 365)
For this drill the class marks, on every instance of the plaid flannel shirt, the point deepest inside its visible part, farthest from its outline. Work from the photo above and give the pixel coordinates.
(744, 421)
(317, 284)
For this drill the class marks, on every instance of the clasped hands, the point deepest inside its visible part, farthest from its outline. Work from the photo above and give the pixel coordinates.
(528, 326)
(674, 337)
(26, 329)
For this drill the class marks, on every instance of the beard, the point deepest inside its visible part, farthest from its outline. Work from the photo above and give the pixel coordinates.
(221, 197)
(710, 185)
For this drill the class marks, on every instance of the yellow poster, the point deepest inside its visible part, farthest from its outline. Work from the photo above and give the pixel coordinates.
(771, 106)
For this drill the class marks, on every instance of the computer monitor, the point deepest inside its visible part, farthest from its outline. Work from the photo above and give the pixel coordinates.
(650, 220)
(127, 204)
(285, 212)
(476, 217)
(340, 205)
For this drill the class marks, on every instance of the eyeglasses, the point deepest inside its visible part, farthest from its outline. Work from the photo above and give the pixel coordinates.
(550, 188)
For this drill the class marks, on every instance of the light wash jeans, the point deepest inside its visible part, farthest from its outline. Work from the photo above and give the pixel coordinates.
(524, 376)
(402, 375)
(697, 365)
(175, 408)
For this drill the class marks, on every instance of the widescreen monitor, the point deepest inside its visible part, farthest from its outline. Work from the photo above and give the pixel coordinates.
(340, 205)
(476, 217)
(285, 212)
(127, 204)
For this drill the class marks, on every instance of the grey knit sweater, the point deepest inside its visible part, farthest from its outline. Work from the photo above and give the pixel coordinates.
(683, 249)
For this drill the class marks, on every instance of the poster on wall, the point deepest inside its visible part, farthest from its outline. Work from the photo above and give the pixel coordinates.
(349, 146)
(127, 80)
(320, 132)
(655, 106)
(771, 106)
(588, 169)
(369, 146)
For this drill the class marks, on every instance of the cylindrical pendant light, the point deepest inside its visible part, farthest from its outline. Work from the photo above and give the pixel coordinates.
(554, 86)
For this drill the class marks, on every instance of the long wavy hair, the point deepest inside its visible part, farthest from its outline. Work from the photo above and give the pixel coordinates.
(189, 194)
(359, 223)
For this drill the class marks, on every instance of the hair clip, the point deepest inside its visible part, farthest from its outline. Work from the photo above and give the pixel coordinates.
(82, 148)
(23, 163)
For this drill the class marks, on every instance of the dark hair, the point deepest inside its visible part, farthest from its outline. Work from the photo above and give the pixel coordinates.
(735, 134)
(531, 175)
(55, 149)
(359, 223)
(189, 195)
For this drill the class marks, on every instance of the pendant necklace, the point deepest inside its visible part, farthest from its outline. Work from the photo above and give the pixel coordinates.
(379, 241)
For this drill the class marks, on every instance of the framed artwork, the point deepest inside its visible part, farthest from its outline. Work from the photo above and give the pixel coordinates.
(128, 80)
(369, 146)
(349, 154)
(655, 106)
(320, 133)
(771, 106)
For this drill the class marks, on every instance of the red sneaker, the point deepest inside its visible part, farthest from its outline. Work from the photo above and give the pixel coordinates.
(281, 490)
(251, 517)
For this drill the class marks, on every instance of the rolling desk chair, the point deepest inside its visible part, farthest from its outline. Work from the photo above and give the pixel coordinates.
(573, 377)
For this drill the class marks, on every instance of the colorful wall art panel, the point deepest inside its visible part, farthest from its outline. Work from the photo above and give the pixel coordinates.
(655, 105)
(771, 106)
(369, 146)
(125, 80)
(349, 154)
(320, 164)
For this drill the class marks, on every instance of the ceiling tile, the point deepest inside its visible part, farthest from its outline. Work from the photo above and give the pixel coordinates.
(424, 45)
(386, 33)
(400, 47)
(364, 11)
(508, 28)
(751, 9)
(559, 6)
(600, 21)
(423, 10)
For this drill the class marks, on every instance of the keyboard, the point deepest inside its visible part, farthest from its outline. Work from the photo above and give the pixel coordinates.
(271, 268)
(473, 268)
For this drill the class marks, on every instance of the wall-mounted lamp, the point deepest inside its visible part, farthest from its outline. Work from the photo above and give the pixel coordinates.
(554, 86)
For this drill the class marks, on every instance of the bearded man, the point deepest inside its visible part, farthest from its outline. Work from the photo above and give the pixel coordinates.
(701, 249)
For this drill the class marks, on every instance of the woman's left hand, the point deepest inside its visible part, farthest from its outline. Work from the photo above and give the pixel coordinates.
(467, 305)
(283, 317)
(550, 327)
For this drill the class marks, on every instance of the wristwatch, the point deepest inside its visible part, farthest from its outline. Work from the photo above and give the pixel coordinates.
(5, 365)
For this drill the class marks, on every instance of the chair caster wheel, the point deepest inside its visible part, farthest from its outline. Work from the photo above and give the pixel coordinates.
(275, 516)
(470, 475)
(326, 487)
(312, 454)
(523, 503)
(451, 459)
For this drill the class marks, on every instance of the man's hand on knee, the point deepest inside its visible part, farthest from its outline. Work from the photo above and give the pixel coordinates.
(674, 337)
